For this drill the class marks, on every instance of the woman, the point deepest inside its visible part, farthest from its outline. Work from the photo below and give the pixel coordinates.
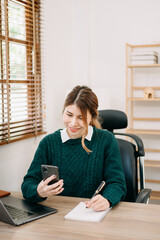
(85, 154)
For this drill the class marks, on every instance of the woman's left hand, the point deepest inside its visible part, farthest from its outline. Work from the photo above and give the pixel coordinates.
(98, 203)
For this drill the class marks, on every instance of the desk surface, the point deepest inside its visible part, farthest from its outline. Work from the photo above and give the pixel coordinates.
(125, 221)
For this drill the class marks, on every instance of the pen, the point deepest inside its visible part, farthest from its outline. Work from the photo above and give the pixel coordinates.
(99, 188)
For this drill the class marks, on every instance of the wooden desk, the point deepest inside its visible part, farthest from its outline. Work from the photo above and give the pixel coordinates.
(125, 221)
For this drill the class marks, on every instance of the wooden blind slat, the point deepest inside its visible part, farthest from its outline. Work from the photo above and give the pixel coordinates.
(26, 121)
(21, 100)
(21, 133)
(21, 130)
(27, 3)
(23, 137)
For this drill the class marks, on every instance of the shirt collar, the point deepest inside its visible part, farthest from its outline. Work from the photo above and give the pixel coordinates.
(65, 137)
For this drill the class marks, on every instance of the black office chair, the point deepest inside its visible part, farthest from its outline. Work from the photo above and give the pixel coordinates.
(130, 154)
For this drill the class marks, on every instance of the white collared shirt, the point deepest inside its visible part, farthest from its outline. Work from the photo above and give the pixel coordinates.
(65, 137)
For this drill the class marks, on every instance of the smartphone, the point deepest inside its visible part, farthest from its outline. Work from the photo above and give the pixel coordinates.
(49, 170)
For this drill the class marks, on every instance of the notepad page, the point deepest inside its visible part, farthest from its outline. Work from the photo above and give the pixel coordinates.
(81, 213)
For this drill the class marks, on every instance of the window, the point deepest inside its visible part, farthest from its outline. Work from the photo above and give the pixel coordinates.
(21, 106)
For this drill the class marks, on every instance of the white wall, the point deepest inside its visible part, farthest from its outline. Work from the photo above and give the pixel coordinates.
(84, 44)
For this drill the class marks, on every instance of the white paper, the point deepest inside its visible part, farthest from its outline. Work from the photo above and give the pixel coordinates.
(81, 213)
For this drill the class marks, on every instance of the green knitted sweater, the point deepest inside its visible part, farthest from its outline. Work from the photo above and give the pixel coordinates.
(82, 172)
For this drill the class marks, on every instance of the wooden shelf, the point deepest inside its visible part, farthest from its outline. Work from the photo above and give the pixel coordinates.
(143, 131)
(152, 181)
(142, 88)
(152, 163)
(149, 98)
(152, 150)
(143, 66)
(143, 45)
(155, 195)
(146, 119)
(143, 99)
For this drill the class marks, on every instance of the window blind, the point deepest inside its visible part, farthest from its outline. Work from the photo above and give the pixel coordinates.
(22, 109)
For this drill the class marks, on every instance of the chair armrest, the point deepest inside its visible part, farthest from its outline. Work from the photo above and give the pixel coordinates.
(144, 195)
(138, 141)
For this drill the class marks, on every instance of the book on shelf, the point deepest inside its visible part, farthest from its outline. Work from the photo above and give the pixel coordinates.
(143, 62)
(145, 57)
(144, 53)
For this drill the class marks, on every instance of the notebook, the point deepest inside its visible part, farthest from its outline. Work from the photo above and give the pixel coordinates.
(17, 211)
(81, 213)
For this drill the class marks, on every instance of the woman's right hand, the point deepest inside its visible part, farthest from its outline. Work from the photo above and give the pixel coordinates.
(45, 190)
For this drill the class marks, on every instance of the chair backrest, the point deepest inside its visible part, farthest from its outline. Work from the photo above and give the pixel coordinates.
(129, 163)
(114, 119)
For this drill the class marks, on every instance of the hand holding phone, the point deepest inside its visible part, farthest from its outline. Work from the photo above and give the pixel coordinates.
(50, 185)
(48, 171)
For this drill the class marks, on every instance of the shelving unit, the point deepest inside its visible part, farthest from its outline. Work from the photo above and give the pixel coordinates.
(143, 110)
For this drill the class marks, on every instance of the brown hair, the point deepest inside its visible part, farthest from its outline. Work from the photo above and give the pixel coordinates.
(85, 99)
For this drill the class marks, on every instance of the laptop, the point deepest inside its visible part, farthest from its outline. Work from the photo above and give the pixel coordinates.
(17, 211)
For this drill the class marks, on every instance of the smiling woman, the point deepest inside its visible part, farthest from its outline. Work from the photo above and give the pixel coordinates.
(84, 153)
(81, 105)
(73, 121)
